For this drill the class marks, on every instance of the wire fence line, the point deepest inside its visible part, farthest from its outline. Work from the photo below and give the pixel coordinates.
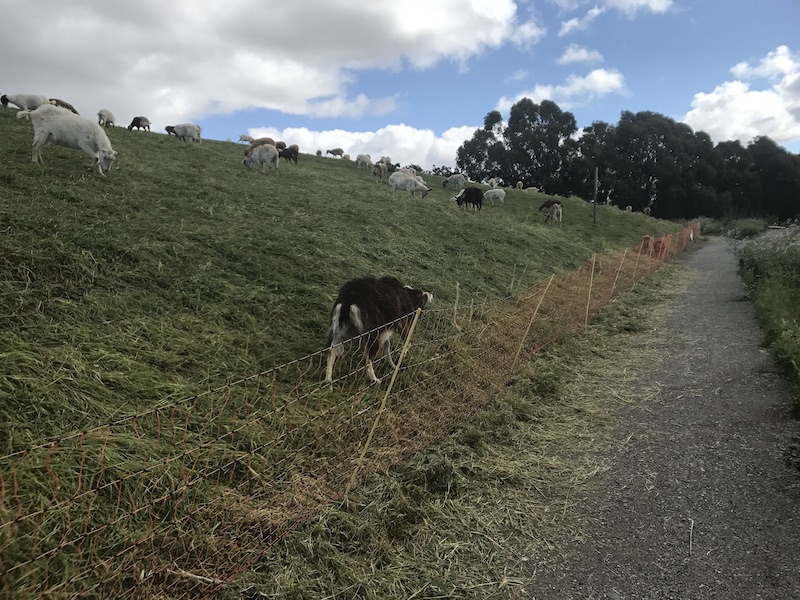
(179, 500)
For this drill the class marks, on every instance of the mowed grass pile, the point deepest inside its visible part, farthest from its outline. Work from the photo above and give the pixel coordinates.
(182, 270)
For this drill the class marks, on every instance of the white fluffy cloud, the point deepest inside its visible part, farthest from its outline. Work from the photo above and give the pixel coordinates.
(735, 110)
(578, 54)
(402, 143)
(188, 59)
(575, 91)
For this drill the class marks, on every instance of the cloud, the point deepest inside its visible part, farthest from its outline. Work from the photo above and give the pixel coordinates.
(575, 91)
(188, 59)
(580, 24)
(578, 54)
(735, 110)
(629, 7)
(402, 143)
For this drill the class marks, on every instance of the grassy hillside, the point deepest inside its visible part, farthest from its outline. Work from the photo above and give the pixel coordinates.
(182, 270)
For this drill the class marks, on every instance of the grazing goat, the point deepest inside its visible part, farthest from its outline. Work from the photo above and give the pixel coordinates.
(290, 153)
(377, 172)
(554, 213)
(266, 156)
(472, 196)
(495, 194)
(63, 104)
(520, 185)
(245, 138)
(188, 131)
(494, 183)
(401, 181)
(456, 180)
(378, 308)
(140, 123)
(105, 118)
(335, 152)
(364, 160)
(24, 101)
(55, 125)
(547, 204)
(258, 142)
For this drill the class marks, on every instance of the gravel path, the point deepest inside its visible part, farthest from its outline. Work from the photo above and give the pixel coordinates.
(697, 502)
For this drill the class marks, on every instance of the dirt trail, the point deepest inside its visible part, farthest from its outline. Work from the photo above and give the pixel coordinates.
(698, 502)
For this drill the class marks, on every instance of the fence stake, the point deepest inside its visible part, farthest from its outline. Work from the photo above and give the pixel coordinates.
(455, 310)
(382, 407)
(530, 324)
(622, 262)
(589, 300)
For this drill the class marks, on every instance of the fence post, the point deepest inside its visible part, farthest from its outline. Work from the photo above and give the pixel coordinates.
(530, 324)
(619, 270)
(382, 407)
(589, 299)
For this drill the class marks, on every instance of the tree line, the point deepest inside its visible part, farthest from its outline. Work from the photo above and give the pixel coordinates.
(646, 159)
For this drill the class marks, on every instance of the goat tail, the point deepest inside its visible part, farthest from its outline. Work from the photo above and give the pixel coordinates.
(24, 114)
(355, 318)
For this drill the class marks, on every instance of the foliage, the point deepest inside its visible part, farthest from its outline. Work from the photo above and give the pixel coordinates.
(770, 265)
(645, 160)
(745, 228)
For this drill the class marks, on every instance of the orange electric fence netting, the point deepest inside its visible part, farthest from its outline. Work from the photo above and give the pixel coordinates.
(177, 501)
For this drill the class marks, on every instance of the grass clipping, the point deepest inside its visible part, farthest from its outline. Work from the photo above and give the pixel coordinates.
(470, 517)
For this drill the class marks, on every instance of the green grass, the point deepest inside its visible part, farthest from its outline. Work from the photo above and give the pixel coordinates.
(770, 266)
(181, 270)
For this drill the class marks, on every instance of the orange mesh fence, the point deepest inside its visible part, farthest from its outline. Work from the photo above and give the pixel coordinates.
(178, 501)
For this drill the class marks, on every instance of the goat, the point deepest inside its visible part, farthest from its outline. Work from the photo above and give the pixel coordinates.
(258, 142)
(266, 156)
(140, 123)
(63, 104)
(554, 213)
(495, 194)
(457, 180)
(56, 125)
(188, 131)
(245, 138)
(335, 152)
(364, 160)
(24, 101)
(289, 153)
(377, 172)
(378, 308)
(472, 196)
(401, 181)
(520, 185)
(170, 129)
(105, 118)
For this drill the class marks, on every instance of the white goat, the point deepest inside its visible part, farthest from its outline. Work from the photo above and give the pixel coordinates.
(245, 138)
(188, 131)
(265, 155)
(495, 194)
(105, 118)
(364, 161)
(494, 183)
(456, 180)
(401, 181)
(55, 125)
(24, 101)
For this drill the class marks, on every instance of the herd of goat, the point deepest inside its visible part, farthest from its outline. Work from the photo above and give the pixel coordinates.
(56, 121)
(376, 308)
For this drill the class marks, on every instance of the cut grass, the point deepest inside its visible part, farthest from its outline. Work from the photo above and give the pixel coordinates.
(180, 272)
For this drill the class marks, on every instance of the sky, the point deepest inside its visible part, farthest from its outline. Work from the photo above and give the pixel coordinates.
(409, 79)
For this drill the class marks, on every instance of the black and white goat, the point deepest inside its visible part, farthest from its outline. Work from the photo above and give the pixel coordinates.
(378, 308)
(472, 196)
